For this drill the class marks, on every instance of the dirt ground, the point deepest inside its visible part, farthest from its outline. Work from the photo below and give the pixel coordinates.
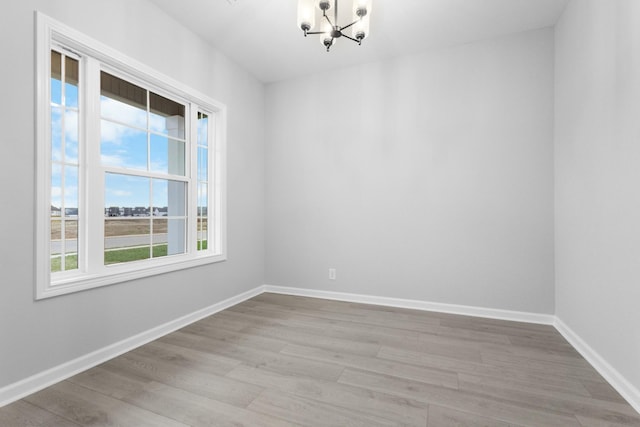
(116, 227)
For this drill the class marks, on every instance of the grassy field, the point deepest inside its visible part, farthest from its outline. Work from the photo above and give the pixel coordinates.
(118, 256)
(71, 263)
(133, 254)
(112, 257)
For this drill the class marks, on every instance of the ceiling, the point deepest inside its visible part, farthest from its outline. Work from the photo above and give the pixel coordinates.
(262, 35)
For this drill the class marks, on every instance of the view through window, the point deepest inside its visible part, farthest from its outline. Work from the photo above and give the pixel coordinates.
(64, 110)
(131, 168)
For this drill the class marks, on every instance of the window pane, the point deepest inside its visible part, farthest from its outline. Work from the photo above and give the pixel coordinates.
(55, 245)
(122, 101)
(169, 198)
(122, 146)
(202, 199)
(71, 82)
(67, 245)
(124, 191)
(202, 233)
(160, 200)
(71, 190)
(56, 262)
(175, 236)
(56, 77)
(56, 134)
(56, 189)
(71, 245)
(159, 231)
(167, 155)
(56, 232)
(71, 136)
(203, 164)
(71, 233)
(127, 227)
(159, 238)
(166, 116)
(126, 240)
(203, 129)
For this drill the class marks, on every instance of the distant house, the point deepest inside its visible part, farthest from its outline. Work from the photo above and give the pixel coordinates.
(160, 211)
(55, 211)
(140, 211)
(113, 211)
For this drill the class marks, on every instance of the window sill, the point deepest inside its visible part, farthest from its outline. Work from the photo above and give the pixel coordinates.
(122, 273)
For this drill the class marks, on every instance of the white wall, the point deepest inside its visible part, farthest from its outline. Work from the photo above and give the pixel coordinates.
(598, 179)
(426, 177)
(38, 335)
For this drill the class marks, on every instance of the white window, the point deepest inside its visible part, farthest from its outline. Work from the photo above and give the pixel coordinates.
(130, 168)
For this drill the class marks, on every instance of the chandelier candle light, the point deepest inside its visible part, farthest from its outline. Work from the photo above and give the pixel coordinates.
(329, 30)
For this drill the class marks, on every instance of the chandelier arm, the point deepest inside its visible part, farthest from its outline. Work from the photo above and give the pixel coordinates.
(351, 38)
(347, 26)
(317, 32)
(328, 20)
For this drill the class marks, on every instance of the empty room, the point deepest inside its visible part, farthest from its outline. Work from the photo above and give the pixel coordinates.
(320, 213)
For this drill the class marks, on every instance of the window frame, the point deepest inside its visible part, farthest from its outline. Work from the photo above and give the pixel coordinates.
(95, 57)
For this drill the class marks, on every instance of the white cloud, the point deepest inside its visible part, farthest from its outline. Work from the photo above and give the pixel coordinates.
(112, 160)
(117, 160)
(70, 135)
(71, 126)
(120, 193)
(123, 113)
(115, 134)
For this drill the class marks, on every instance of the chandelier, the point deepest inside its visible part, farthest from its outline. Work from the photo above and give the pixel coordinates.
(329, 30)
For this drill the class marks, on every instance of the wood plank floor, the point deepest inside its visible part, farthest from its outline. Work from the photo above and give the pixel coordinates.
(279, 360)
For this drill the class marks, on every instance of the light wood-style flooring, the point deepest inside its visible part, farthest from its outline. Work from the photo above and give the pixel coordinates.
(279, 360)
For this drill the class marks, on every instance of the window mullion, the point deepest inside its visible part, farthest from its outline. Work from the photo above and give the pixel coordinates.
(93, 240)
(214, 232)
(192, 147)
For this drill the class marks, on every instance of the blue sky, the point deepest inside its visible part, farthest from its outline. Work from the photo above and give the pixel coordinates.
(122, 146)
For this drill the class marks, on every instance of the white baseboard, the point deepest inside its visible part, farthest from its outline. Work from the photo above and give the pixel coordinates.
(518, 316)
(20, 389)
(49, 377)
(617, 381)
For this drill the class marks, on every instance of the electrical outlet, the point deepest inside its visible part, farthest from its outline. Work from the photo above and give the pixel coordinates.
(332, 274)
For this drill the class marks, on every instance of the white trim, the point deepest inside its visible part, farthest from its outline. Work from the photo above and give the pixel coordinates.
(152, 268)
(627, 390)
(44, 379)
(42, 163)
(491, 313)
